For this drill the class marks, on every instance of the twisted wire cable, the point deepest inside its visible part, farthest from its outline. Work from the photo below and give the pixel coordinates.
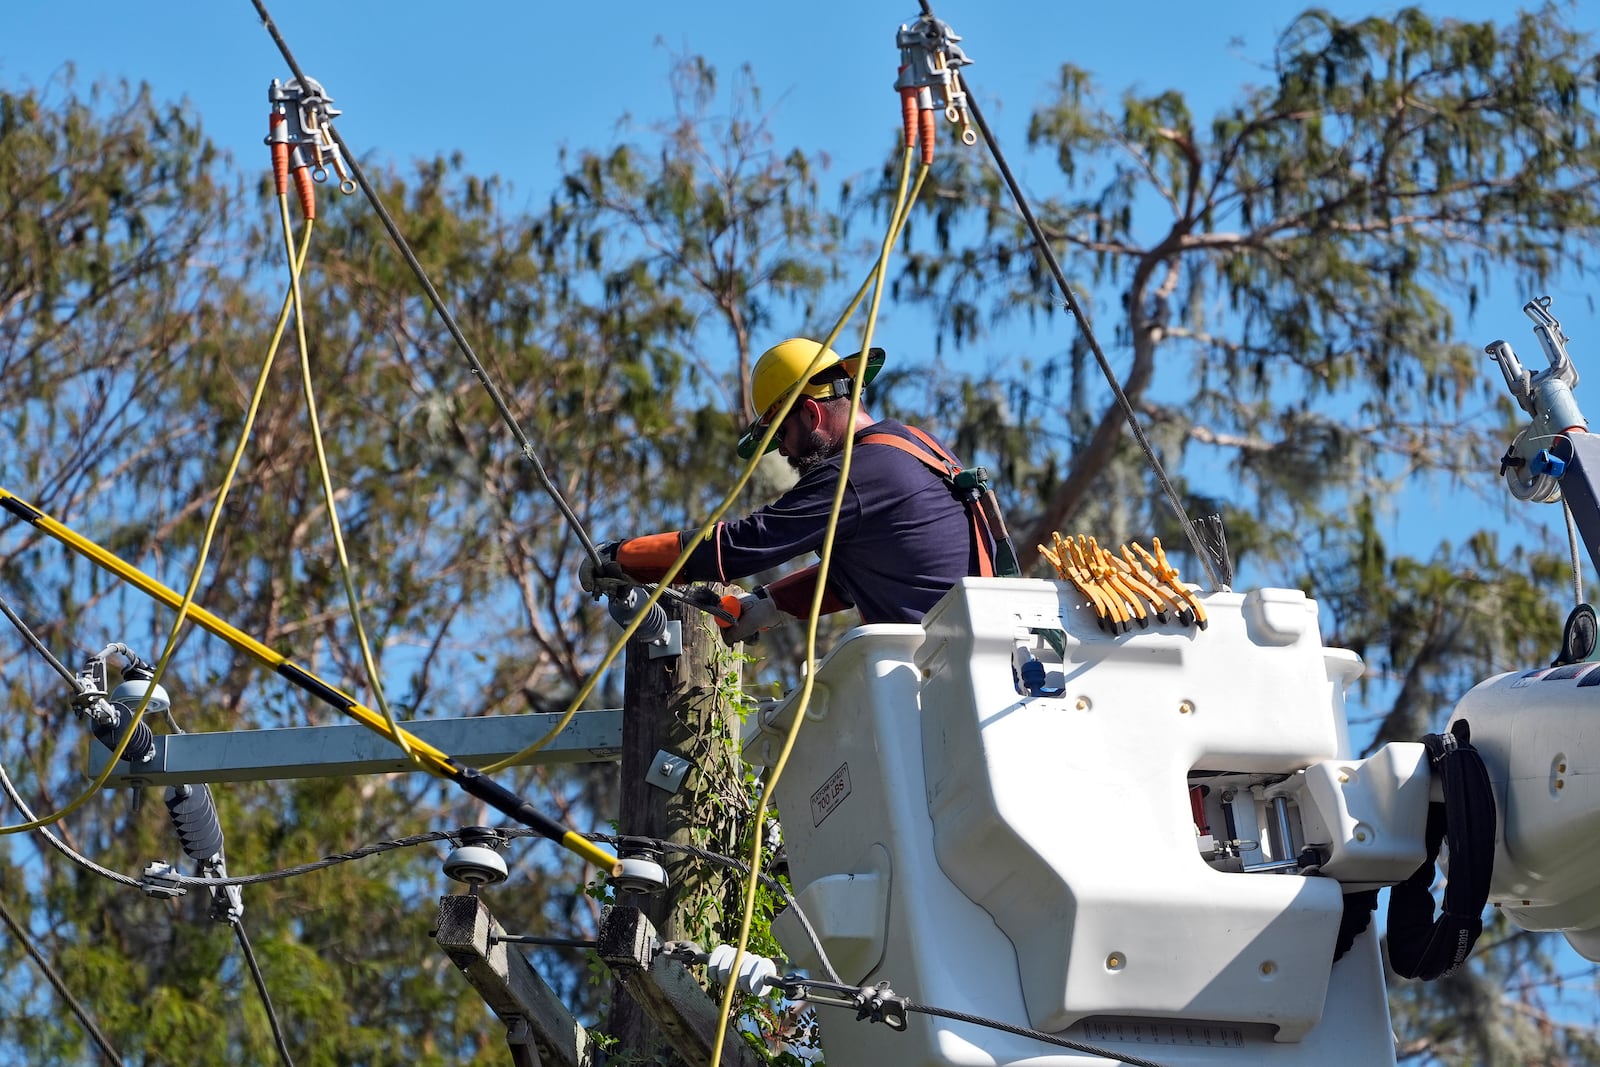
(261, 988)
(17, 931)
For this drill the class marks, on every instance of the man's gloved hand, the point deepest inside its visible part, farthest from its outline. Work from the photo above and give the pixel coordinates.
(591, 577)
(755, 611)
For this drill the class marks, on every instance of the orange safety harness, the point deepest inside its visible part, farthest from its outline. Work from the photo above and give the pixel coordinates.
(969, 491)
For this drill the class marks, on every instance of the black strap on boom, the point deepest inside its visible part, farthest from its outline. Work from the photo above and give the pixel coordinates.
(1420, 945)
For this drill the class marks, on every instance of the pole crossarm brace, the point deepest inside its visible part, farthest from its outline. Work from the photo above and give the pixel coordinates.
(684, 1013)
(539, 1029)
(348, 749)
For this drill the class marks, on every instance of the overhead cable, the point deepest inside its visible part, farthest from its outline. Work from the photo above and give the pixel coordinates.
(61, 846)
(1037, 1035)
(438, 303)
(1042, 243)
(261, 988)
(470, 779)
(38, 645)
(78, 1010)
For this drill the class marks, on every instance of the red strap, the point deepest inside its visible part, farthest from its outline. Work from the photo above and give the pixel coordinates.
(938, 449)
(980, 538)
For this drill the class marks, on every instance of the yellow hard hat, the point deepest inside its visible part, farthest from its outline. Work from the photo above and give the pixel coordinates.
(782, 366)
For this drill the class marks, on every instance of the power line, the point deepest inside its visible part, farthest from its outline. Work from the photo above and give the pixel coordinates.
(1042, 243)
(436, 300)
(261, 988)
(54, 979)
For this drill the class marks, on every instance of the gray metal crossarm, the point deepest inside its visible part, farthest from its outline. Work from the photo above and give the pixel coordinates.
(348, 749)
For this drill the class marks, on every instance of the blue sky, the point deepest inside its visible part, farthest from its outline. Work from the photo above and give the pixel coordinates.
(508, 84)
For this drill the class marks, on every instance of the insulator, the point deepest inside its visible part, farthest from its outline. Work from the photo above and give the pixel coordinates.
(756, 973)
(141, 748)
(194, 816)
(624, 606)
(131, 693)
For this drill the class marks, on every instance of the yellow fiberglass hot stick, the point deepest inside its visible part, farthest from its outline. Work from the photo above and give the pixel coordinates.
(473, 781)
(33, 822)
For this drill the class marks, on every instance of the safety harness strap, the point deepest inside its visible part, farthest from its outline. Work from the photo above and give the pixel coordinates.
(1420, 945)
(942, 463)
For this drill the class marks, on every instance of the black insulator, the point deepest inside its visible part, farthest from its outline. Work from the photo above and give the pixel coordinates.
(138, 750)
(194, 815)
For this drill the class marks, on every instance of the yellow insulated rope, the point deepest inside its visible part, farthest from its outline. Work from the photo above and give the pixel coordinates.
(346, 575)
(897, 219)
(430, 758)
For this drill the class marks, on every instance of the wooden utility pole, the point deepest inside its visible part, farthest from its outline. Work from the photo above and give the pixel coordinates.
(678, 716)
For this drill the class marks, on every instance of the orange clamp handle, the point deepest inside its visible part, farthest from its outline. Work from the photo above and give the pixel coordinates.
(908, 114)
(280, 154)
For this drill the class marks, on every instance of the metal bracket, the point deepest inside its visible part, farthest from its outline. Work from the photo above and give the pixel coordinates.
(160, 880)
(667, 771)
(669, 643)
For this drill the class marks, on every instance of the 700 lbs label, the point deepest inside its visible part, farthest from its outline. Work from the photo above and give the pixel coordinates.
(830, 795)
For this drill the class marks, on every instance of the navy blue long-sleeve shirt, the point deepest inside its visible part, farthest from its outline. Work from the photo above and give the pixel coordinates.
(902, 541)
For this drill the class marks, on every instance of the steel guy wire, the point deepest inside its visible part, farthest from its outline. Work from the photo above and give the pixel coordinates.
(436, 300)
(17, 931)
(61, 846)
(38, 645)
(1048, 255)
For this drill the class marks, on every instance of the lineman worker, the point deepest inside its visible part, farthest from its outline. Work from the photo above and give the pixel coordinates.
(903, 537)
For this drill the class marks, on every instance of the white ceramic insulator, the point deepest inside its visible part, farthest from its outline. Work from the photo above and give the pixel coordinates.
(756, 973)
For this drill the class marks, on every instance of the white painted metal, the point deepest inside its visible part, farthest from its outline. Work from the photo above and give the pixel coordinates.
(1035, 858)
(1536, 731)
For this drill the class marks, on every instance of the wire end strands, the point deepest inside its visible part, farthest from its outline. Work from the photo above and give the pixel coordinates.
(1126, 588)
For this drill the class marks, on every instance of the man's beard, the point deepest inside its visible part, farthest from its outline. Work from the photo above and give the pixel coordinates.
(813, 450)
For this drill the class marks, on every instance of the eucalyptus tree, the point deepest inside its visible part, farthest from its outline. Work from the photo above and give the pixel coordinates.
(141, 291)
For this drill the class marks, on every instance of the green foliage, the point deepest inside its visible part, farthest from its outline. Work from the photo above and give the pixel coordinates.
(1280, 285)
